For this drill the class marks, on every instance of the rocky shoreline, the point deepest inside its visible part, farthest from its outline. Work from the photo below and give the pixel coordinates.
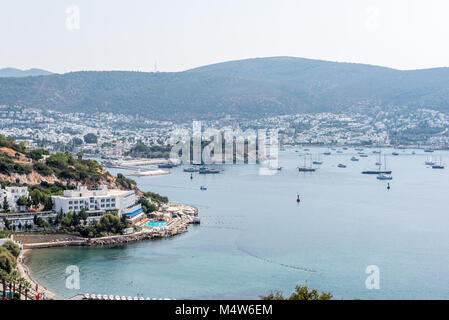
(176, 229)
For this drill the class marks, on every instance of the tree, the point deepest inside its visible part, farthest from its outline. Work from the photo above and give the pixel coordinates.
(83, 214)
(90, 138)
(4, 276)
(7, 260)
(27, 287)
(15, 276)
(37, 197)
(110, 223)
(147, 206)
(76, 142)
(301, 293)
(5, 204)
(80, 155)
(7, 223)
(13, 248)
(22, 201)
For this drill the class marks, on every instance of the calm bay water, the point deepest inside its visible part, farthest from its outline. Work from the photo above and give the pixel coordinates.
(255, 238)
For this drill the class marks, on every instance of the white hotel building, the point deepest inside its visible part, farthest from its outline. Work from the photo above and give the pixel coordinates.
(12, 194)
(98, 200)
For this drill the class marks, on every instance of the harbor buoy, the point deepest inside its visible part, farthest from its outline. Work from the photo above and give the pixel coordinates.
(388, 186)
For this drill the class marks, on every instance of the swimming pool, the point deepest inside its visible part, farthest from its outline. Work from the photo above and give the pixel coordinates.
(156, 224)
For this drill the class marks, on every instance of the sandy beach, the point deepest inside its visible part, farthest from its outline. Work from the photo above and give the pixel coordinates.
(33, 241)
(25, 272)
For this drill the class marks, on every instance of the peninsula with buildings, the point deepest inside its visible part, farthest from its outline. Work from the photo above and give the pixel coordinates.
(50, 200)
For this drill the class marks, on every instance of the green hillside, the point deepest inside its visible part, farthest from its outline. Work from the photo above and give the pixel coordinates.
(245, 88)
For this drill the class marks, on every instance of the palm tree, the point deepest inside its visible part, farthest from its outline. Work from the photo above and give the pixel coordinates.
(27, 287)
(15, 276)
(21, 283)
(3, 278)
(9, 280)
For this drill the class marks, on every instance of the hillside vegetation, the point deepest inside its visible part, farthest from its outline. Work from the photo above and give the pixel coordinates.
(20, 165)
(246, 88)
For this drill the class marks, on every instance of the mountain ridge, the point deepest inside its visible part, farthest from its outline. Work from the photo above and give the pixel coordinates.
(242, 88)
(17, 73)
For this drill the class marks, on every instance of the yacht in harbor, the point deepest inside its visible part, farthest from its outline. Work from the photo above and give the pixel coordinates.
(306, 168)
(385, 174)
(379, 170)
(354, 158)
(317, 161)
(204, 170)
(429, 162)
(438, 166)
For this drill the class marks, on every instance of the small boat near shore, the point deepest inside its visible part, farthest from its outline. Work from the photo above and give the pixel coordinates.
(165, 165)
(306, 169)
(438, 166)
(341, 165)
(204, 170)
(429, 162)
(191, 169)
(383, 176)
(354, 159)
(376, 172)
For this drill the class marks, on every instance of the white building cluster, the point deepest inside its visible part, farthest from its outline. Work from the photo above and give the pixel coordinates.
(95, 200)
(12, 194)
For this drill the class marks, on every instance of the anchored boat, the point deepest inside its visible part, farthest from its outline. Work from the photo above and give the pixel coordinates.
(306, 168)
(205, 170)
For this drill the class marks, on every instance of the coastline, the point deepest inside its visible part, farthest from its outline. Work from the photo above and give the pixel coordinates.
(174, 227)
(26, 273)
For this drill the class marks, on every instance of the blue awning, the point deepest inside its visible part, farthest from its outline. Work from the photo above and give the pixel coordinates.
(131, 214)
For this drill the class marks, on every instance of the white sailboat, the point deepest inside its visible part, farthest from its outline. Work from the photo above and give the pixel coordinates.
(384, 176)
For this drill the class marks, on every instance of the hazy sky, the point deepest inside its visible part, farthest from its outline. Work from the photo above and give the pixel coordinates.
(182, 34)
